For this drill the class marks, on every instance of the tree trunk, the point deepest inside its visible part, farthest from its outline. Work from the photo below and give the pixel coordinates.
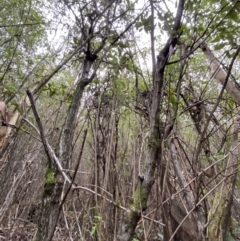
(219, 73)
(220, 214)
(51, 200)
(153, 155)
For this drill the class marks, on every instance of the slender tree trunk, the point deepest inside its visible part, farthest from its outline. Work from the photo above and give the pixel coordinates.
(220, 74)
(153, 155)
(220, 213)
(51, 200)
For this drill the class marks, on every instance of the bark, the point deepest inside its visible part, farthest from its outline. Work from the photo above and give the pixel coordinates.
(153, 155)
(219, 74)
(6, 130)
(49, 210)
(181, 205)
(11, 177)
(68, 129)
(51, 200)
(189, 228)
(220, 213)
(13, 172)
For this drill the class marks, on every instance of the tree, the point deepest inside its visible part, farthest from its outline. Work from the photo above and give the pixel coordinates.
(132, 150)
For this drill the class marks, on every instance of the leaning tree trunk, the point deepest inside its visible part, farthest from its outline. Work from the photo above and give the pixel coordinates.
(220, 74)
(220, 213)
(51, 200)
(153, 155)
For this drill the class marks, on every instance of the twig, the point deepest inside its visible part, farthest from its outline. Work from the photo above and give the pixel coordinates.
(49, 151)
(171, 238)
(74, 175)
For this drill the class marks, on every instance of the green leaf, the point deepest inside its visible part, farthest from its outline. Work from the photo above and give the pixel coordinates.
(93, 230)
(216, 39)
(123, 45)
(219, 46)
(75, 40)
(233, 14)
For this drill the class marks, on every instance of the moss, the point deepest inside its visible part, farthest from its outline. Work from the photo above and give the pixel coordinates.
(50, 176)
(140, 198)
(49, 182)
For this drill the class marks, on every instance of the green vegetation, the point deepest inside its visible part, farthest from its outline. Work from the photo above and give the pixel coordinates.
(122, 120)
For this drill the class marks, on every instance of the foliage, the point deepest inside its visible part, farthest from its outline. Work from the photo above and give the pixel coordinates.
(94, 63)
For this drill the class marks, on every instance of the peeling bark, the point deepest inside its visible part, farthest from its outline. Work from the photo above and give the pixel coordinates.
(9, 120)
